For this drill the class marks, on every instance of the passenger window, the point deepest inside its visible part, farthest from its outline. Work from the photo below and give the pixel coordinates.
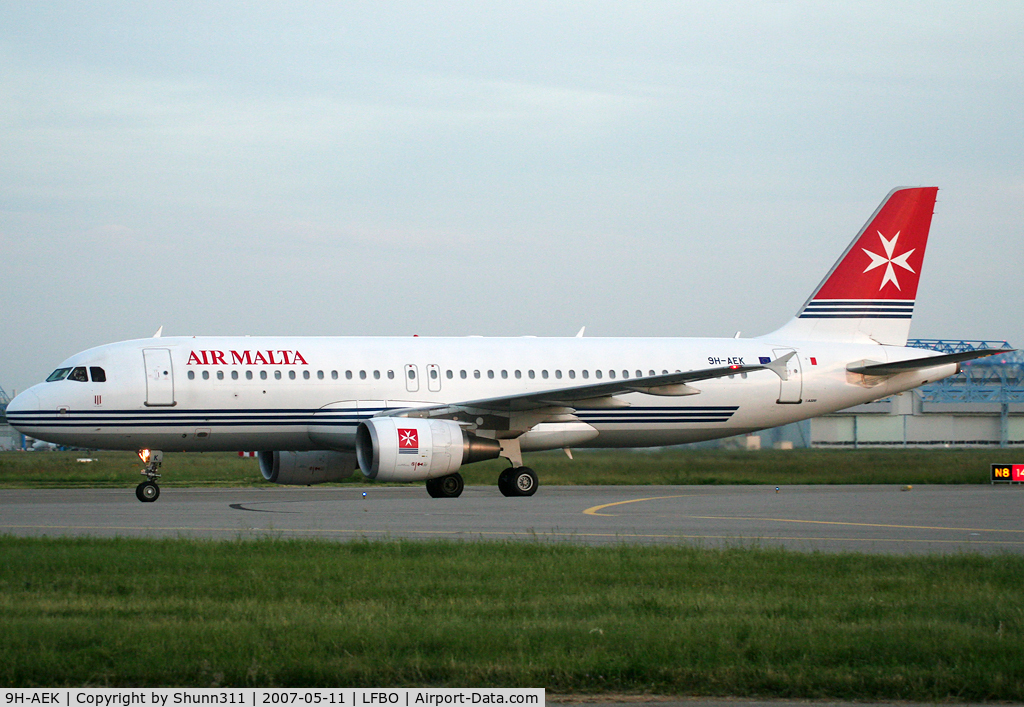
(58, 375)
(248, 375)
(611, 374)
(191, 375)
(572, 374)
(462, 374)
(391, 375)
(450, 374)
(504, 374)
(78, 374)
(98, 374)
(544, 374)
(234, 375)
(597, 373)
(362, 375)
(376, 375)
(320, 375)
(220, 375)
(263, 375)
(305, 375)
(476, 374)
(206, 375)
(651, 373)
(639, 374)
(348, 375)
(412, 374)
(334, 375)
(490, 374)
(291, 375)
(433, 374)
(277, 375)
(586, 373)
(519, 374)
(531, 374)
(558, 373)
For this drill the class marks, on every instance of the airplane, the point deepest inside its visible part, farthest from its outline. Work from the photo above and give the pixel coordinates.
(416, 409)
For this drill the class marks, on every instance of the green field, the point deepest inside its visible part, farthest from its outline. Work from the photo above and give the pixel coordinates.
(664, 466)
(625, 619)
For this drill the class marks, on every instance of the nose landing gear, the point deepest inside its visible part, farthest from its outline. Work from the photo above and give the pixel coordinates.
(148, 491)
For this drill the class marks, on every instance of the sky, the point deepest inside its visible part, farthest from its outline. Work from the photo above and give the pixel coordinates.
(508, 168)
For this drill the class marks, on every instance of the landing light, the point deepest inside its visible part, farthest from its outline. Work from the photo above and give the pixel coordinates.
(144, 455)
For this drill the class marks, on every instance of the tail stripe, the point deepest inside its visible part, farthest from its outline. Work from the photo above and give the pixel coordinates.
(856, 309)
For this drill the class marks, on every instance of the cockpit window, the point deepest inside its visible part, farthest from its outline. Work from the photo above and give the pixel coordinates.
(98, 374)
(58, 375)
(78, 374)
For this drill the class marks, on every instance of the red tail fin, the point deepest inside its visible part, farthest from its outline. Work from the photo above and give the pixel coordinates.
(869, 293)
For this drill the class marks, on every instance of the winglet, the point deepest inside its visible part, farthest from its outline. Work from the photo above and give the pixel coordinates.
(159, 332)
(579, 334)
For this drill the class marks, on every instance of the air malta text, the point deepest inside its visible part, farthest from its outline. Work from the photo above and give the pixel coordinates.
(246, 358)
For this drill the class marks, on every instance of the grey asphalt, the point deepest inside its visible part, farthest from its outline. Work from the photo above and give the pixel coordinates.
(873, 519)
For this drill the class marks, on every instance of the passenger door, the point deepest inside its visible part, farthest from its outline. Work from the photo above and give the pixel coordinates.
(159, 377)
(791, 389)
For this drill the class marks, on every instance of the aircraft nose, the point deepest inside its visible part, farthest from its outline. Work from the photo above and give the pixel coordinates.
(23, 403)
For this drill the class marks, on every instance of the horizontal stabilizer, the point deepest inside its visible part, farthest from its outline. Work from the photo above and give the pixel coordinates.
(917, 364)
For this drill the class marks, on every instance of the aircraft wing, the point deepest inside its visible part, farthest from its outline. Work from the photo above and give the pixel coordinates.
(537, 406)
(871, 368)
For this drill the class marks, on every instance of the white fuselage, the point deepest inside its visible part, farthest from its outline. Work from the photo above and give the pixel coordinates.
(306, 393)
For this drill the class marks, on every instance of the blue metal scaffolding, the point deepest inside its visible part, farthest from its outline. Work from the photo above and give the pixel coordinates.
(995, 379)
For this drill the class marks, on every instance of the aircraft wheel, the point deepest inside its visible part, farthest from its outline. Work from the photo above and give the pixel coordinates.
(432, 488)
(147, 492)
(451, 485)
(446, 487)
(523, 481)
(505, 483)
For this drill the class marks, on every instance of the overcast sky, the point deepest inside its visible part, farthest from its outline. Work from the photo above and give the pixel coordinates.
(665, 169)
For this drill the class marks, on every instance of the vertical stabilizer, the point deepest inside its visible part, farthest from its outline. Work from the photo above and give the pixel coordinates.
(869, 293)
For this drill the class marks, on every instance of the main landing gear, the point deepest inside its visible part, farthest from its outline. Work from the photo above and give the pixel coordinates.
(518, 481)
(148, 491)
(446, 486)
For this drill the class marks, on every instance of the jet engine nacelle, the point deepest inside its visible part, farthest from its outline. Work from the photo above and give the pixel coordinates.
(303, 468)
(413, 449)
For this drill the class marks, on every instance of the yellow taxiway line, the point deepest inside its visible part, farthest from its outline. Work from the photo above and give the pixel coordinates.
(595, 511)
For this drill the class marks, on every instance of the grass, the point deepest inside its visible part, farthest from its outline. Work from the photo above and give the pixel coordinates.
(664, 620)
(664, 466)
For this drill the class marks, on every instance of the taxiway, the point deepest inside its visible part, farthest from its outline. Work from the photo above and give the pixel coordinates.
(874, 519)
